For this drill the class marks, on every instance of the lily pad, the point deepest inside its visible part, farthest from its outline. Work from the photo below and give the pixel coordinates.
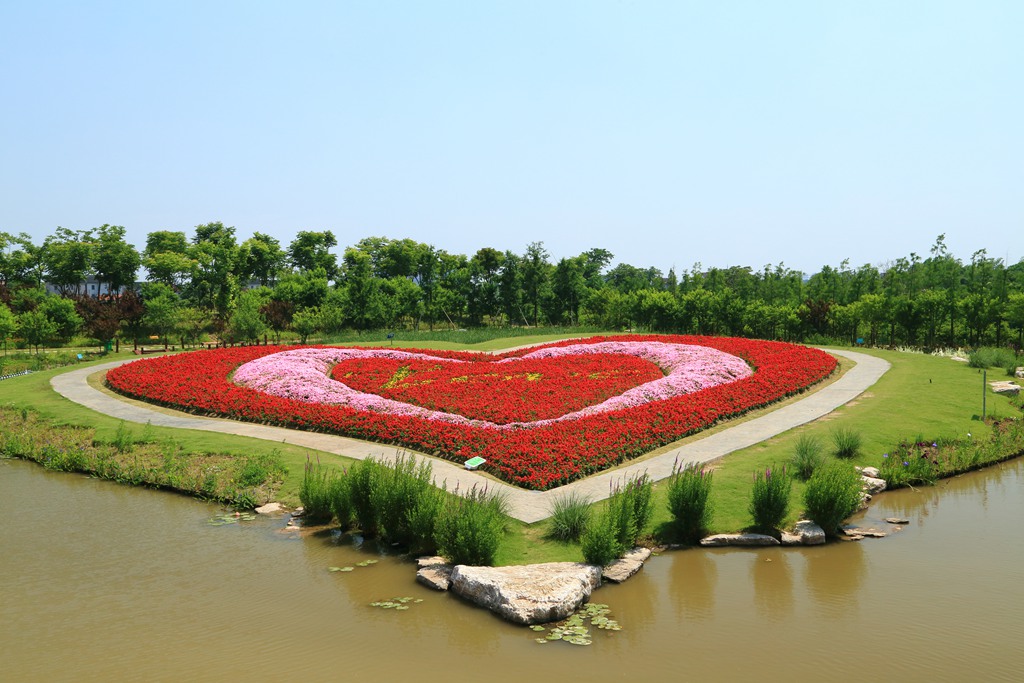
(340, 569)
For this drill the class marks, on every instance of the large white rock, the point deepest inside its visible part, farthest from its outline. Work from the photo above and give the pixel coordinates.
(626, 566)
(528, 594)
(739, 539)
(873, 485)
(1006, 388)
(809, 532)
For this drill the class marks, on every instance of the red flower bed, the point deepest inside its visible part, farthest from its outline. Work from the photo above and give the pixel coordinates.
(523, 391)
(539, 458)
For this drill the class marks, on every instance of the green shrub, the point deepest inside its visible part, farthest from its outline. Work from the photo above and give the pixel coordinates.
(806, 456)
(993, 357)
(689, 491)
(769, 503)
(846, 443)
(569, 517)
(833, 493)
(315, 492)
(470, 529)
(600, 541)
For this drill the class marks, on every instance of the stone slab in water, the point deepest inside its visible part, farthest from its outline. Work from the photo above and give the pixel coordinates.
(269, 508)
(422, 562)
(739, 539)
(626, 566)
(436, 576)
(528, 594)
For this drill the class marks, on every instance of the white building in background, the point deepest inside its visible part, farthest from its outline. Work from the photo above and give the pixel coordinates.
(92, 288)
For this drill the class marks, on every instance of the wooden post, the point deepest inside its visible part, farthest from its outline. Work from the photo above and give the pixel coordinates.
(984, 394)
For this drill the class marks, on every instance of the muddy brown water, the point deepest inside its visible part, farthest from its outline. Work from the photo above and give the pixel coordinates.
(100, 582)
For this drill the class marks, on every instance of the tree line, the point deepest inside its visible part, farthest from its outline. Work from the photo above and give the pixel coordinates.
(210, 283)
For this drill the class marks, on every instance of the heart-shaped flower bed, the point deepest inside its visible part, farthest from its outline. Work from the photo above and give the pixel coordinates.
(647, 391)
(672, 370)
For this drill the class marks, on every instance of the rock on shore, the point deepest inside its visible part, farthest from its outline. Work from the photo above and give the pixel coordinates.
(528, 594)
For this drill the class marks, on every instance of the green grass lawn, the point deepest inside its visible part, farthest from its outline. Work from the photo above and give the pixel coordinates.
(921, 395)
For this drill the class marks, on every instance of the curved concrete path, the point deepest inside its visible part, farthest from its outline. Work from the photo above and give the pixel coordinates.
(528, 506)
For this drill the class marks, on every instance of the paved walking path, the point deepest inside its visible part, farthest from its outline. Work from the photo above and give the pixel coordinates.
(528, 506)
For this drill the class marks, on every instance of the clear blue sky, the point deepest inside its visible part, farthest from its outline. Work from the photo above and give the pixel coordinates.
(729, 133)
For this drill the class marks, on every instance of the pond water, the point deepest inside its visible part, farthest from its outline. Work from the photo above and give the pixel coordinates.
(105, 582)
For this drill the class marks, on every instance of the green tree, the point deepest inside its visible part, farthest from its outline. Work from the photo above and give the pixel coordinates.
(246, 322)
(1015, 315)
(8, 324)
(65, 318)
(536, 275)
(363, 304)
(260, 258)
(569, 285)
(306, 323)
(162, 310)
(20, 261)
(311, 250)
(114, 261)
(36, 328)
(67, 259)
(214, 281)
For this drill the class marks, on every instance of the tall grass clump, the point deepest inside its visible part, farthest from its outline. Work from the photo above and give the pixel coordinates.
(626, 515)
(769, 502)
(315, 492)
(833, 493)
(807, 456)
(422, 518)
(569, 517)
(123, 439)
(394, 493)
(362, 479)
(470, 529)
(846, 443)
(689, 492)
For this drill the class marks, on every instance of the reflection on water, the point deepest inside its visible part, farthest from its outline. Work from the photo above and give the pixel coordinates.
(100, 582)
(773, 583)
(834, 575)
(692, 583)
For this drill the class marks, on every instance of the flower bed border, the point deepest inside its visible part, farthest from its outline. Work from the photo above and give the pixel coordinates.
(540, 458)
